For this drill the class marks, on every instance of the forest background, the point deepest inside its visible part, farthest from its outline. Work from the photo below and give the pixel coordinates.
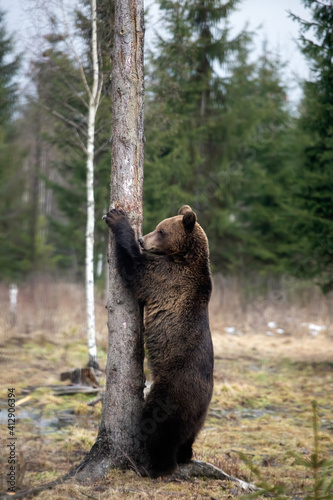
(220, 134)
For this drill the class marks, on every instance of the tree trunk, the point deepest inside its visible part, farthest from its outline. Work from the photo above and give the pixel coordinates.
(90, 300)
(94, 97)
(118, 443)
(13, 292)
(35, 191)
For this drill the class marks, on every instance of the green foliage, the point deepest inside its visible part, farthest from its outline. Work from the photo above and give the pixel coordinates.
(49, 187)
(9, 65)
(313, 192)
(186, 102)
(217, 131)
(62, 94)
(263, 203)
(14, 243)
(319, 467)
(219, 136)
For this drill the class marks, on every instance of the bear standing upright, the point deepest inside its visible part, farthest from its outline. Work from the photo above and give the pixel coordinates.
(168, 270)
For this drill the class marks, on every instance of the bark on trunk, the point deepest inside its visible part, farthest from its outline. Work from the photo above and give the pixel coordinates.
(35, 190)
(118, 443)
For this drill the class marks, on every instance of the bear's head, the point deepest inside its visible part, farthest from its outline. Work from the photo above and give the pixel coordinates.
(177, 235)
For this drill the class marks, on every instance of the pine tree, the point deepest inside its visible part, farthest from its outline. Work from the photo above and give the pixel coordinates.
(14, 259)
(314, 225)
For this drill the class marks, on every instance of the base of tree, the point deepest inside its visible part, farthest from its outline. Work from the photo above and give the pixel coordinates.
(94, 468)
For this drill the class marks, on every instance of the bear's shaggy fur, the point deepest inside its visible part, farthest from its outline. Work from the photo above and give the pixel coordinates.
(170, 275)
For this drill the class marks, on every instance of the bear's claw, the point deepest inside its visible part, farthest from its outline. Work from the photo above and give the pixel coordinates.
(113, 216)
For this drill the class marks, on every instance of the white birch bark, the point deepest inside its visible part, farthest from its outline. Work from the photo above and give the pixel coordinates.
(94, 98)
(13, 292)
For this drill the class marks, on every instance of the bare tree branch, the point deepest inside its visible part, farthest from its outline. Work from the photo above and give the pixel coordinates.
(73, 89)
(69, 41)
(103, 147)
(63, 118)
(76, 111)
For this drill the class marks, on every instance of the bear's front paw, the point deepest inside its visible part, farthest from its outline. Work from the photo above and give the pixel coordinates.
(113, 217)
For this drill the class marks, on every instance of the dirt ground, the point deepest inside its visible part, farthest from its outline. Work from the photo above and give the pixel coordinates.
(260, 425)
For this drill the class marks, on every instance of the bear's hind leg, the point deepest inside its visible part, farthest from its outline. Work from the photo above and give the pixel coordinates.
(162, 435)
(162, 457)
(162, 445)
(185, 452)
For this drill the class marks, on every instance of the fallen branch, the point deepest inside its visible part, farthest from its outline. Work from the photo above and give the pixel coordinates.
(64, 390)
(95, 401)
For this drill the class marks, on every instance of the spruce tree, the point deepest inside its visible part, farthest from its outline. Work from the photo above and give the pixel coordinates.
(187, 83)
(267, 174)
(215, 126)
(14, 258)
(314, 225)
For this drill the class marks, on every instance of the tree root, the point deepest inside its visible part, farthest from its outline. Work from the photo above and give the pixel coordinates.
(184, 472)
(203, 469)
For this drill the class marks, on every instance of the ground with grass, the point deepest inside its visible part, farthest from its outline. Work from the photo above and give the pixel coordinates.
(260, 423)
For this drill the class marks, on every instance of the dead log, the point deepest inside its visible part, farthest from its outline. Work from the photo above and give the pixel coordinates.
(82, 376)
(64, 390)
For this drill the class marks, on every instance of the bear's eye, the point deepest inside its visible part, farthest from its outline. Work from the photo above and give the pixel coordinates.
(160, 232)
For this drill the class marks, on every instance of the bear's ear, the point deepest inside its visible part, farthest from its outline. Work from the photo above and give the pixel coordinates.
(189, 220)
(184, 209)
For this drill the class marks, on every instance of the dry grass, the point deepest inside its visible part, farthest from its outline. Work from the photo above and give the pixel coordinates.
(290, 306)
(264, 386)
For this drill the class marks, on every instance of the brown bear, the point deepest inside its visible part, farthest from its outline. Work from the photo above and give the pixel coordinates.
(168, 270)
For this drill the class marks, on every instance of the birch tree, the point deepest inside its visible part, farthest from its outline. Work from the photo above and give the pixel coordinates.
(94, 100)
(84, 132)
(93, 92)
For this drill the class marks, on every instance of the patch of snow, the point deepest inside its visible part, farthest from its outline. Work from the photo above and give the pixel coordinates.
(230, 329)
(316, 328)
(280, 330)
(271, 324)
(269, 333)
